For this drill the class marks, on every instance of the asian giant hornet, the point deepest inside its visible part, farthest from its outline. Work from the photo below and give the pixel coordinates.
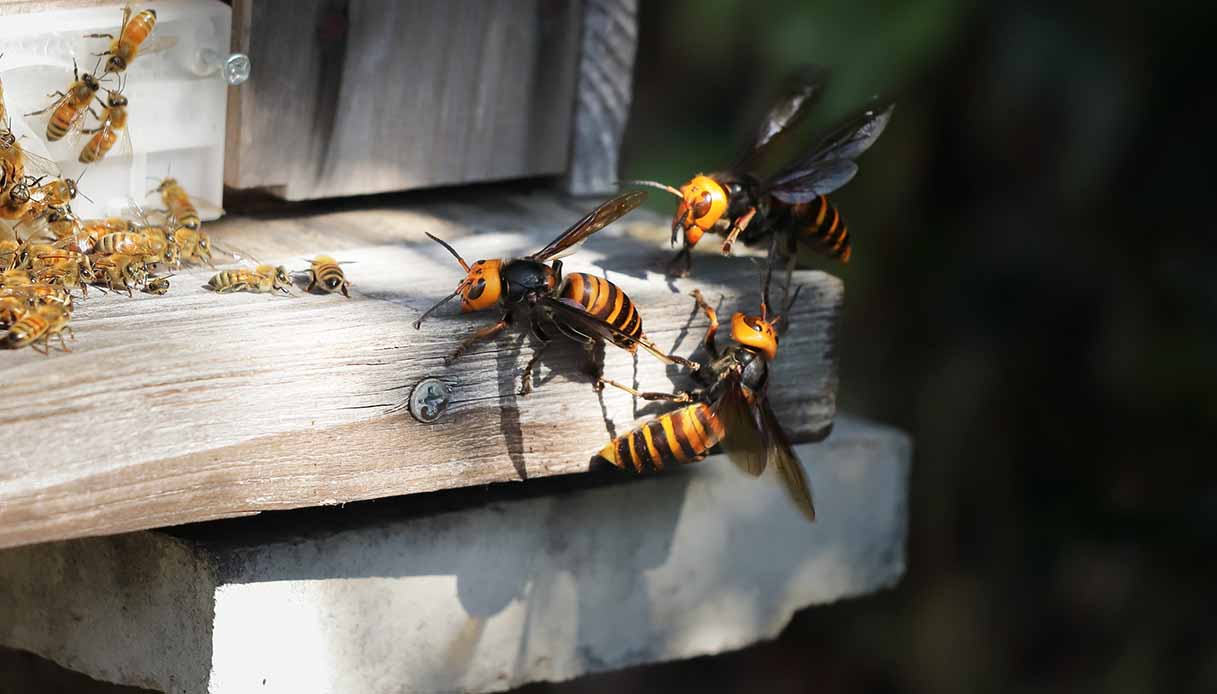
(730, 408)
(791, 204)
(583, 307)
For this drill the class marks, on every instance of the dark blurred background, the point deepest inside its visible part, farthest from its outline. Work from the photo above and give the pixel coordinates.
(1032, 296)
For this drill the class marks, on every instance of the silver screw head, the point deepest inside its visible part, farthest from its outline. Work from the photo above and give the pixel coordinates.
(237, 68)
(429, 399)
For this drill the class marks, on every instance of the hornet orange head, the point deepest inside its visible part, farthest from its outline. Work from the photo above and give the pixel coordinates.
(756, 333)
(481, 288)
(760, 333)
(703, 201)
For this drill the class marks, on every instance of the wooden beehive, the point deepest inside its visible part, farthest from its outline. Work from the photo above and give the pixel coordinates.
(365, 97)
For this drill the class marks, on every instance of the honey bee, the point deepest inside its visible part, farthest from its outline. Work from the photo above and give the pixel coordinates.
(48, 256)
(60, 266)
(68, 110)
(131, 37)
(69, 231)
(44, 199)
(15, 277)
(40, 294)
(16, 162)
(157, 285)
(94, 229)
(125, 242)
(28, 250)
(8, 253)
(260, 280)
(113, 124)
(12, 309)
(324, 272)
(731, 408)
(16, 200)
(41, 323)
(12, 158)
(61, 221)
(78, 238)
(160, 245)
(120, 271)
(191, 245)
(181, 210)
(56, 192)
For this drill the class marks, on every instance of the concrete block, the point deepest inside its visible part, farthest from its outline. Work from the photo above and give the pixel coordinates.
(521, 589)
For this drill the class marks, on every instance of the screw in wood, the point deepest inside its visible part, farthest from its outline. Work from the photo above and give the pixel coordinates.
(235, 67)
(429, 399)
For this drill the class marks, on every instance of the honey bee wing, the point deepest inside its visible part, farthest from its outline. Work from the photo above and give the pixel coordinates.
(845, 143)
(745, 439)
(780, 453)
(159, 44)
(103, 131)
(125, 142)
(801, 91)
(37, 164)
(604, 215)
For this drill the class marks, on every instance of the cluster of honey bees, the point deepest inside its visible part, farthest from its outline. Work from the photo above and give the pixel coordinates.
(48, 253)
(786, 211)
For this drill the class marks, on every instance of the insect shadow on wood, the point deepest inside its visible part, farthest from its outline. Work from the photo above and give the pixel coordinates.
(509, 410)
(675, 372)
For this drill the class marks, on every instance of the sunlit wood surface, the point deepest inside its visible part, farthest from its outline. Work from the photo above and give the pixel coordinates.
(196, 406)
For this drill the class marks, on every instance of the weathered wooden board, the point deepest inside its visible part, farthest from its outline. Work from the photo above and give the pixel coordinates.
(471, 592)
(25, 6)
(603, 94)
(367, 96)
(195, 406)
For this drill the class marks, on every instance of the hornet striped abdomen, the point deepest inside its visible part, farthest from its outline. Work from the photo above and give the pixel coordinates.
(607, 302)
(681, 436)
(819, 224)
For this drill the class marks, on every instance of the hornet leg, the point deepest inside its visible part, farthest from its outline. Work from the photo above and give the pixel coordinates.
(526, 377)
(712, 329)
(682, 396)
(483, 334)
(737, 227)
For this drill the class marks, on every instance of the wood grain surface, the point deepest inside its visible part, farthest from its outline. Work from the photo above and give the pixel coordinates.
(603, 94)
(351, 97)
(196, 406)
